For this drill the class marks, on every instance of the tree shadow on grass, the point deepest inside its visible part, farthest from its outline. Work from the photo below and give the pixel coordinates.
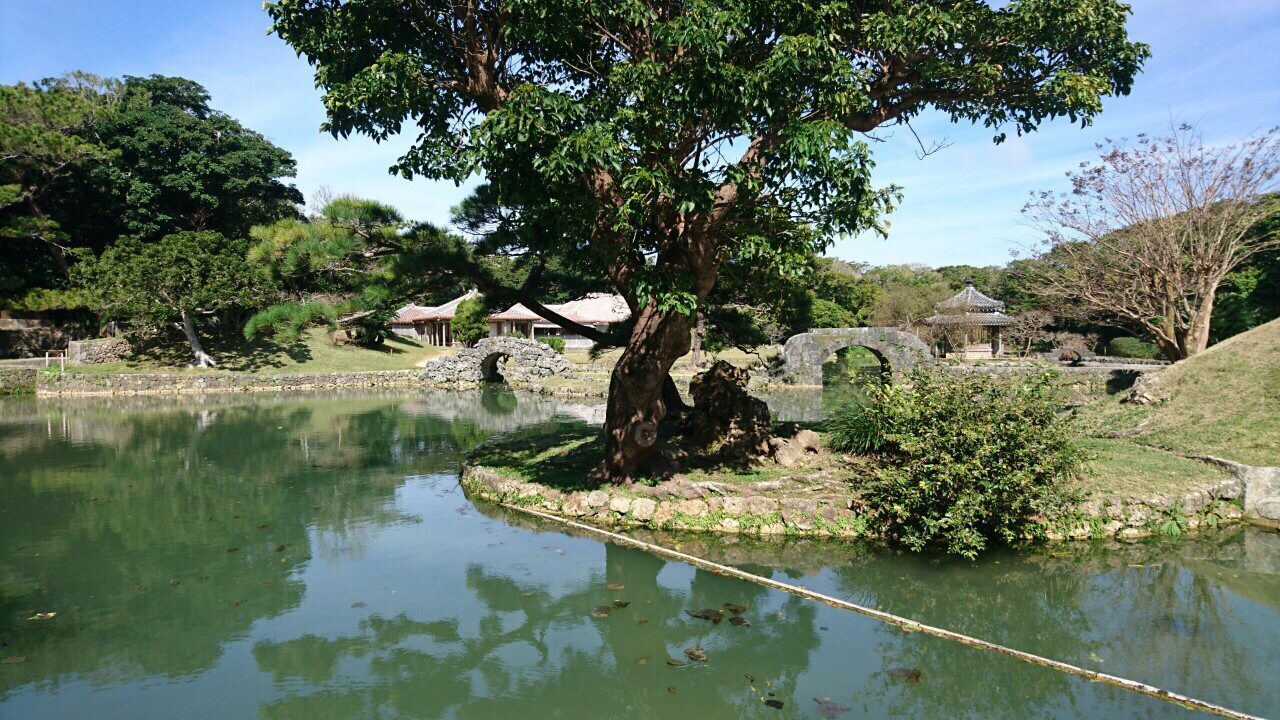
(560, 455)
(232, 352)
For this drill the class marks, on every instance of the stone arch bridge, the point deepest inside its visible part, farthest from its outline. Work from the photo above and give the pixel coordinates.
(898, 351)
(483, 362)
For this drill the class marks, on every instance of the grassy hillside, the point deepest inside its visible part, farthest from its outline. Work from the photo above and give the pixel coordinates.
(1223, 402)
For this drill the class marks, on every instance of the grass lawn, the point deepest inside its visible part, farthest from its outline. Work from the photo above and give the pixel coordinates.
(313, 353)
(1224, 402)
(1120, 468)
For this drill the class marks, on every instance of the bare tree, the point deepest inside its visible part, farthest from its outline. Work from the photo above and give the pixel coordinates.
(1148, 233)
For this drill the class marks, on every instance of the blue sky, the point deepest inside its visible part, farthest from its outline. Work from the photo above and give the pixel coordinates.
(1216, 63)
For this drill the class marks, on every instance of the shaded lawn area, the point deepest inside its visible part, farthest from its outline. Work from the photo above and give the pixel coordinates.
(312, 353)
(563, 455)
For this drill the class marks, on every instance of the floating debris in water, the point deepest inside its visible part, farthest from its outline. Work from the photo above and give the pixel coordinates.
(671, 689)
(739, 621)
(621, 603)
(643, 660)
(174, 583)
(674, 662)
(231, 550)
(750, 678)
(911, 675)
(235, 603)
(602, 611)
(263, 525)
(13, 660)
(735, 608)
(358, 604)
(828, 710)
(280, 548)
(696, 654)
(641, 621)
(42, 616)
(774, 703)
(714, 616)
(616, 586)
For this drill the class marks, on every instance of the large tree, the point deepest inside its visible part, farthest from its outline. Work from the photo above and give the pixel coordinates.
(175, 280)
(677, 137)
(1148, 234)
(44, 138)
(348, 266)
(84, 160)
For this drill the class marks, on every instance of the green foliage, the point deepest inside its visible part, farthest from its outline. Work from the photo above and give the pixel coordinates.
(87, 159)
(230, 179)
(852, 429)
(471, 321)
(826, 314)
(606, 128)
(554, 342)
(349, 268)
(1130, 347)
(974, 457)
(152, 284)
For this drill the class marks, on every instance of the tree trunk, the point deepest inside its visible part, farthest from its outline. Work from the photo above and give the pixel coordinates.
(1198, 333)
(202, 358)
(698, 330)
(636, 399)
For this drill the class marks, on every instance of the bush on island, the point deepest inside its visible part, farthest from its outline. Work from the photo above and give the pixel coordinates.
(972, 459)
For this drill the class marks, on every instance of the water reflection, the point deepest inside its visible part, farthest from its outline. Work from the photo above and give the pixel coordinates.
(312, 557)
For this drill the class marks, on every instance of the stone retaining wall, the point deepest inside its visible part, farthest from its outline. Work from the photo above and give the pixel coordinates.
(755, 514)
(98, 351)
(17, 380)
(71, 383)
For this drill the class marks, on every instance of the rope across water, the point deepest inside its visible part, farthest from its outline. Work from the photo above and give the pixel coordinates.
(905, 623)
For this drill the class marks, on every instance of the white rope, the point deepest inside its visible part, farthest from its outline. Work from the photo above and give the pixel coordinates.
(892, 619)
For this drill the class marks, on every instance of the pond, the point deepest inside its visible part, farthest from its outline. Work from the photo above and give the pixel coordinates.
(313, 557)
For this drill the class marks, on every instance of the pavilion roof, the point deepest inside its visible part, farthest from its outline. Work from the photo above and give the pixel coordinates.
(970, 318)
(970, 298)
(417, 313)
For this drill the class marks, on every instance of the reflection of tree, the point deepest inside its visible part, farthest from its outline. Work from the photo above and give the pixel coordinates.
(536, 652)
(160, 534)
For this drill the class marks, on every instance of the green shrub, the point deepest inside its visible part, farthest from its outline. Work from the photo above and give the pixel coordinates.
(470, 322)
(827, 314)
(854, 430)
(1129, 347)
(555, 343)
(975, 458)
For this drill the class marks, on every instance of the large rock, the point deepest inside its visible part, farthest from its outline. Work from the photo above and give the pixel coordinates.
(726, 419)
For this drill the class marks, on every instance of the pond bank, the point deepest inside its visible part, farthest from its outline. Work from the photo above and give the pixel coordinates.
(820, 506)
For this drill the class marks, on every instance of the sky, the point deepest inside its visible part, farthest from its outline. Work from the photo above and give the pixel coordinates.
(1215, 64)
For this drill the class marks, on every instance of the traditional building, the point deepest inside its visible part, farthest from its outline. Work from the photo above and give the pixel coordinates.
(433, 325)
(597, 310)
(428, 325)
(968, 325)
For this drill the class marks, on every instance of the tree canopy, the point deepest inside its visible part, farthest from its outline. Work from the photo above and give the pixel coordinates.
(669, 139)
(84, 160)
(173, 280)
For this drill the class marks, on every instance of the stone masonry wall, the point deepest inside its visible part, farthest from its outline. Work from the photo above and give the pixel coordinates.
(16, 380)
(97, 351)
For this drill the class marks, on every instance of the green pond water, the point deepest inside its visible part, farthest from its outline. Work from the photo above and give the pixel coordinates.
(313, 557)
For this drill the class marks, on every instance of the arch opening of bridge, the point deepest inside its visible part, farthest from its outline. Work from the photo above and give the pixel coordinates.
(491, 367)
(898, 351)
